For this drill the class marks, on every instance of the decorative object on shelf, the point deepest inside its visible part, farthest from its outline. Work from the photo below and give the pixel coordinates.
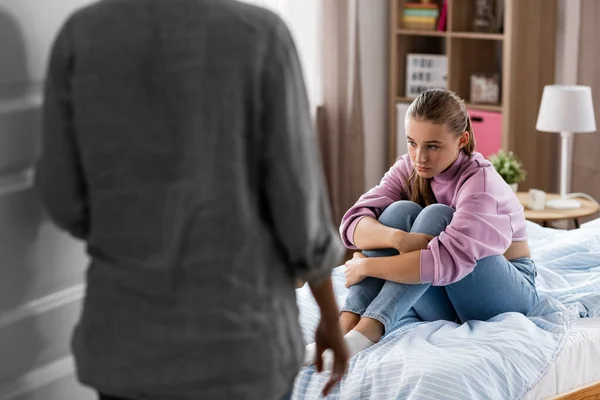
(500, 16)
(486, 16)
(441, 25)
(566, 109)
(485, 88)
(509, 167)
(421, 16)
(424, 72)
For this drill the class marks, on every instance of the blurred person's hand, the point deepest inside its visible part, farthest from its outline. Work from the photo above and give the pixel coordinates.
(329, 335)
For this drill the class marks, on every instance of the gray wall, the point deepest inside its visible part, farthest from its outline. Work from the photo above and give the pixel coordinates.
(41, 269)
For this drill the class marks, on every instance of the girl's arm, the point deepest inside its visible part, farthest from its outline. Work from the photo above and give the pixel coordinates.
(373, 203)
(371, 234)
(403, 268)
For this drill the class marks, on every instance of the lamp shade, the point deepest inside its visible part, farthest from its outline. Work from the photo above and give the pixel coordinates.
(566, 108)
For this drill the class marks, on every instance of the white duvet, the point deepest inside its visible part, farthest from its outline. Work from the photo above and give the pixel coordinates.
(502, 358)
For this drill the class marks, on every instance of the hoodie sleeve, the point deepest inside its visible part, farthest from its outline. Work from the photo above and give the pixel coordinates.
(477, 230)
(392, 188)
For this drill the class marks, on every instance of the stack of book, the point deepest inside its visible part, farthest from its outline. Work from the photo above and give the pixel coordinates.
(423, 16)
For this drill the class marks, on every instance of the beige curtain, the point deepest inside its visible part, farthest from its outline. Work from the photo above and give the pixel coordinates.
(340, 118)
(586, 147)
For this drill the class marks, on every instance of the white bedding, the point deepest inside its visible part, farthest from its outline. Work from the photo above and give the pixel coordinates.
(508, 357)
(577, 364)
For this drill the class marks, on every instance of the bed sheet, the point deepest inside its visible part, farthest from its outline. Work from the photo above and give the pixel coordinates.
(502, 358)
(577, 364)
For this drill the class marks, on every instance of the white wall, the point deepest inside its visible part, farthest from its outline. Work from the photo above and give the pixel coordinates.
(41, 269)
(567, 41)
(567, 55)
(373, 21)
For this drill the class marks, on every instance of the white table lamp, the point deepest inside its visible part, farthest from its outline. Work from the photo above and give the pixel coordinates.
(566, 109)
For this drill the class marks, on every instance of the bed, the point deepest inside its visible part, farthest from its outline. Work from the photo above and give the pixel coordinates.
(553, 352)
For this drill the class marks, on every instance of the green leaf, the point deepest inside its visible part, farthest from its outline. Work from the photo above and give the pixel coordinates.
(508, 166)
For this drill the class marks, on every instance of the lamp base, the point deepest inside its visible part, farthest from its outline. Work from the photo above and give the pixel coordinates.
(563, 204)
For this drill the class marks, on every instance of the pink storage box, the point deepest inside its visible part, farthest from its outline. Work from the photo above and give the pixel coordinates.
(487, 127)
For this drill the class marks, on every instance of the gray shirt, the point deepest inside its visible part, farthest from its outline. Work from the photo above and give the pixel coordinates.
(178, 144)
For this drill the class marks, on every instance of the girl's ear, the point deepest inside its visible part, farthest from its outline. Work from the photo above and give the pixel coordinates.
(464, 139)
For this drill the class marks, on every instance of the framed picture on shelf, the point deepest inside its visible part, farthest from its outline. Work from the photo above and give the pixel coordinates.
(425, 71)
(488, 16)
(485, 88)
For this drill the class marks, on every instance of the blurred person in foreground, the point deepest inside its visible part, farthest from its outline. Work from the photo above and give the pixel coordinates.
(178, 144)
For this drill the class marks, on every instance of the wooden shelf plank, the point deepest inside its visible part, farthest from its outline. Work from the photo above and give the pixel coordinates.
(477, 35)
(418, 32)
(485, 107)
(404, 99)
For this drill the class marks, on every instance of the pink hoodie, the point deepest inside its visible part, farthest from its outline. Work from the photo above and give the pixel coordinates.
(487, 219)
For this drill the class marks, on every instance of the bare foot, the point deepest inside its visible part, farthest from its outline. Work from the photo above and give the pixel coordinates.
(348, 320)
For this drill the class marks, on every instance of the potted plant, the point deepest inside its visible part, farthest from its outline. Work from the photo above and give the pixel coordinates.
(509, 167)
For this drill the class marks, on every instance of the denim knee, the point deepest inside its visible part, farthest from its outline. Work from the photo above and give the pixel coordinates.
(359, 296)
(438, 210)
(433, 219)
(400, 215)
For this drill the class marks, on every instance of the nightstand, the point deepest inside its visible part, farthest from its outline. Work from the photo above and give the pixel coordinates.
(549, 214)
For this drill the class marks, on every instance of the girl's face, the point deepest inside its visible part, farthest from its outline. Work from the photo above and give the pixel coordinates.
(432, 148)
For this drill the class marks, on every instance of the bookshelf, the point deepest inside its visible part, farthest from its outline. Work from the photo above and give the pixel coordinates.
(521, 54)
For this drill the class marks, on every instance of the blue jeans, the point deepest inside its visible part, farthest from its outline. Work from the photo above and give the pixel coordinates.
(495, 286)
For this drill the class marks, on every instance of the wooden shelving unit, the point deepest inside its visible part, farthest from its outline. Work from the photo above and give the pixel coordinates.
(416, 32)
(523, 56)
(485, 107)
(460, 35)
(476, 35)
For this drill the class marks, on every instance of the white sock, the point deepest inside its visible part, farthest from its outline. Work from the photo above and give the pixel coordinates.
(310, 354)
(355, 341)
